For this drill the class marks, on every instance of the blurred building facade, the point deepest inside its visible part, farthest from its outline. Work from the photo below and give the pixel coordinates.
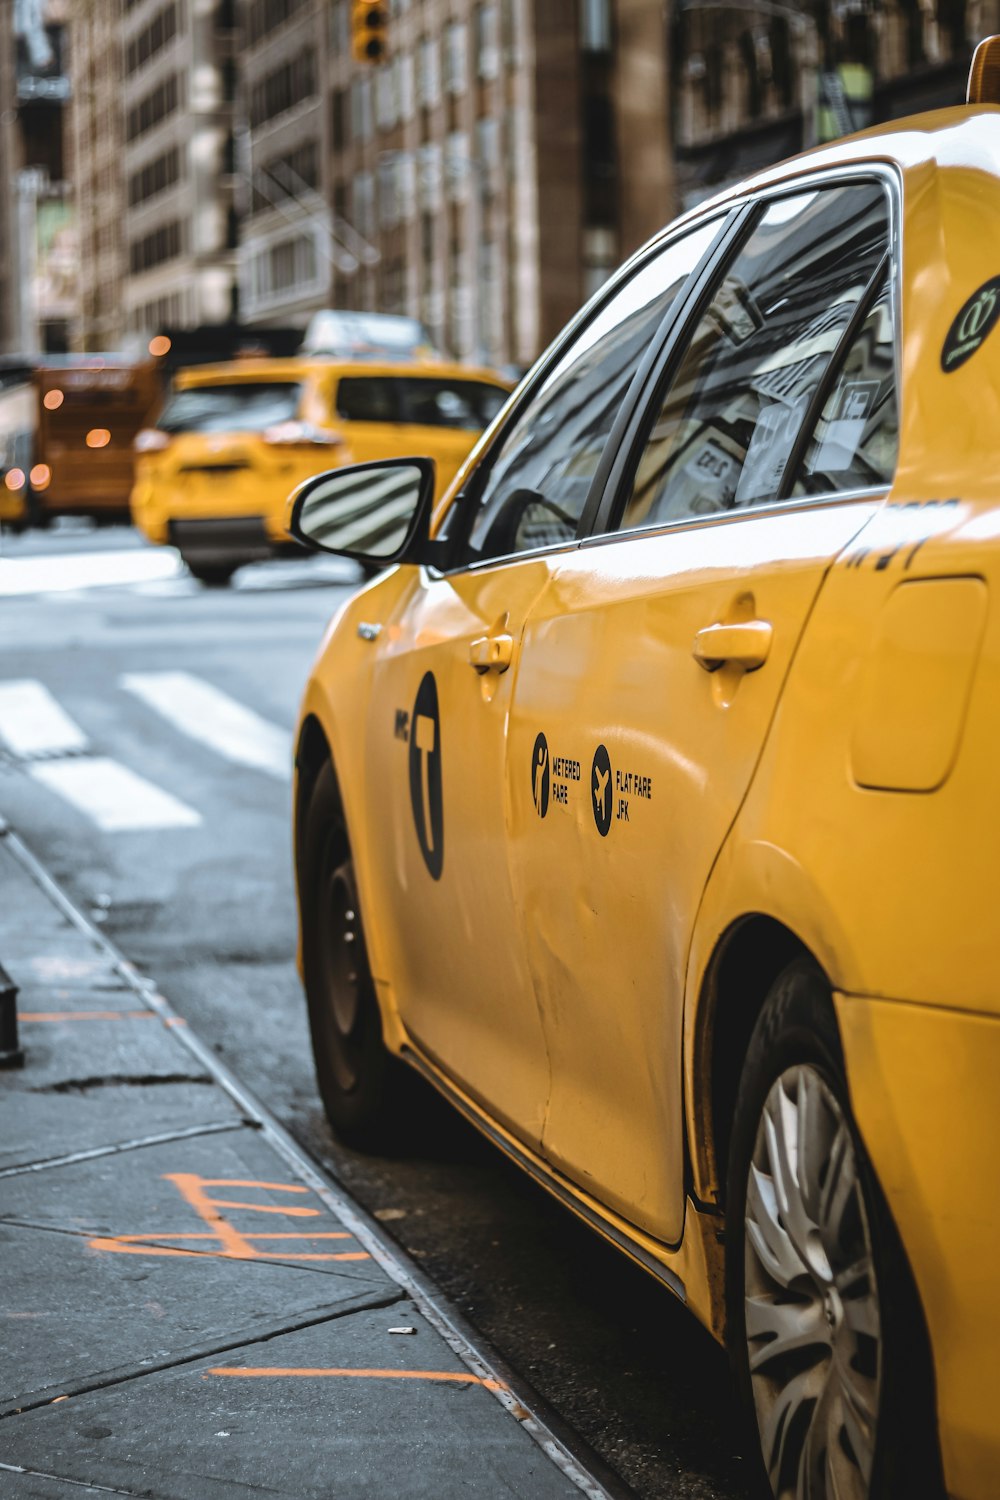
(232, 158)
(179, 68)
(97, 129)
(471, 180)
(755, 82)
(38, 233)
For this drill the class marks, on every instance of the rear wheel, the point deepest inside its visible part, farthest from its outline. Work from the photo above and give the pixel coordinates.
(212, 575)
(825, 1326)
(364, 1088)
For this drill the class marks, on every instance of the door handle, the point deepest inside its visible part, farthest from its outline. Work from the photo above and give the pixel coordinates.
(492, 653)
(745, 644)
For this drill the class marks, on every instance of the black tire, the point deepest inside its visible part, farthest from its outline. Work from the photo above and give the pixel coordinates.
(366, 1091)
(212, 575)
(796, 1039)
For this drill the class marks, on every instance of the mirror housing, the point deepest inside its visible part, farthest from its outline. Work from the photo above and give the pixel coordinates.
(376, 513)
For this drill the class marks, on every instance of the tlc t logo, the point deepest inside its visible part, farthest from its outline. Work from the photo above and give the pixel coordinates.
(425, 775)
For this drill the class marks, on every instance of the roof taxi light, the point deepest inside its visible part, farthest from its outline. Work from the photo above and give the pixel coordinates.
(150, 440)
(984, 75)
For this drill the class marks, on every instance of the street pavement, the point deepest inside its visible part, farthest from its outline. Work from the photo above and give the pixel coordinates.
(187, 1314)
(145, 740)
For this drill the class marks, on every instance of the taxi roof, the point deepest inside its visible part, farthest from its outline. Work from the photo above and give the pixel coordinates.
(963, 137)
(251, 370)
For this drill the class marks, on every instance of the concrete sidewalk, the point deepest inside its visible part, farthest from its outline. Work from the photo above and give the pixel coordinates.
(190, 1311)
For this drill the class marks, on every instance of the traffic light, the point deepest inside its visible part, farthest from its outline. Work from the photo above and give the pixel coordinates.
(370, 30)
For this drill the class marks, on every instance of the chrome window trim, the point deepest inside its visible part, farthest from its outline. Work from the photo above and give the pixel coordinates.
(790, 505)
(730, 222)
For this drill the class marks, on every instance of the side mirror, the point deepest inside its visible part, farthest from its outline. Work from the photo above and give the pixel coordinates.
(377, 513)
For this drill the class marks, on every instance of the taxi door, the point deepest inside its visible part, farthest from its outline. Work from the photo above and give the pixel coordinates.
(445, 686)
(651, 668)
(436, 739)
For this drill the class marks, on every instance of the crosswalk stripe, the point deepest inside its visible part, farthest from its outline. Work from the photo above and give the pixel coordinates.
(55, 574)
(117, 799)
(211, 717)
(33, 723)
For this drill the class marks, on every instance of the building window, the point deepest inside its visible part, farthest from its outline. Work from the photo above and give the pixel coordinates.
(340, 28)
(364, 204)
(487, 41)
(595, 25)
(263, 16)
(488, 151)
(407, 87)
(429, 73)
(155, 177)
(285, 87)
(362, 124)
(430, 179)
(156, 247)
(340, 120)
(385, 96)
(152, 108)
(457, 166)
(161, 30)
(455, 47)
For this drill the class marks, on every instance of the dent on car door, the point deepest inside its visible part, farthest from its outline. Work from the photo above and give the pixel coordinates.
(444, 682)
(652, 664)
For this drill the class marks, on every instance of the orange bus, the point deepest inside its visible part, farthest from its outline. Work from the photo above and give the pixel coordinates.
(90, 407)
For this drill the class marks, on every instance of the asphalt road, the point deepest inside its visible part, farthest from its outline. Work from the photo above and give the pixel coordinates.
(131, 684)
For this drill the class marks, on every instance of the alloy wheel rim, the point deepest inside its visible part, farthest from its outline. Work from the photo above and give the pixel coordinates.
(812, 1321)
(344, 976)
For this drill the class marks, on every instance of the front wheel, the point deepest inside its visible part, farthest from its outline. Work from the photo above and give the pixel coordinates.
(364, 1088)
(826, 1331)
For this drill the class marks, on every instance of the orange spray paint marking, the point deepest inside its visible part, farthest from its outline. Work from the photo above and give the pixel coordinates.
(281, 1372)
(222, 1240)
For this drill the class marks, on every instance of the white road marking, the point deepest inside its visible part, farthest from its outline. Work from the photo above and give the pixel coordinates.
(32, 722)
(208, 715)
(84, 570)
(117, 799)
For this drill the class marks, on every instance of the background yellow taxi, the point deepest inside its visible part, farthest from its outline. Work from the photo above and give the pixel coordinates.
(213, 475)
(647, 807)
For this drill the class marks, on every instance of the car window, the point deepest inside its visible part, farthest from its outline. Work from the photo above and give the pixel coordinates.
(725, 430)
(537, 487)
(436, 402)
(367, 398)
(244, 406)
(856, 439)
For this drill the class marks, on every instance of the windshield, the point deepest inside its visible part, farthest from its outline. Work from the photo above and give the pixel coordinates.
(244, 406)
(428, 401)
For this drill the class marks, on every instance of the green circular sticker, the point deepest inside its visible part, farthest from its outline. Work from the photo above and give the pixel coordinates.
(975, 320)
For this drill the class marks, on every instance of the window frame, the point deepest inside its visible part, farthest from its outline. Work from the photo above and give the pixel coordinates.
(610, 510)
(729, 218)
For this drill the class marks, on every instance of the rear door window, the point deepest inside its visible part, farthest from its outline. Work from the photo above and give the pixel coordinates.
(244, 406)
(469, 404)
(425, 400)
(725, 430)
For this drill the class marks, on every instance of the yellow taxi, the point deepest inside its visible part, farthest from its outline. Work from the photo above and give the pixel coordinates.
(647, 806)
(212, 476)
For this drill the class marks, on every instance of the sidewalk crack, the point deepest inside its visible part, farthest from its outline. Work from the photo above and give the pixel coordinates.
(211, 1127)
(248, 1339)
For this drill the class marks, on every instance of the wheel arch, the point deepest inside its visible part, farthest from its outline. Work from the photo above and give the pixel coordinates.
(746, 960)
